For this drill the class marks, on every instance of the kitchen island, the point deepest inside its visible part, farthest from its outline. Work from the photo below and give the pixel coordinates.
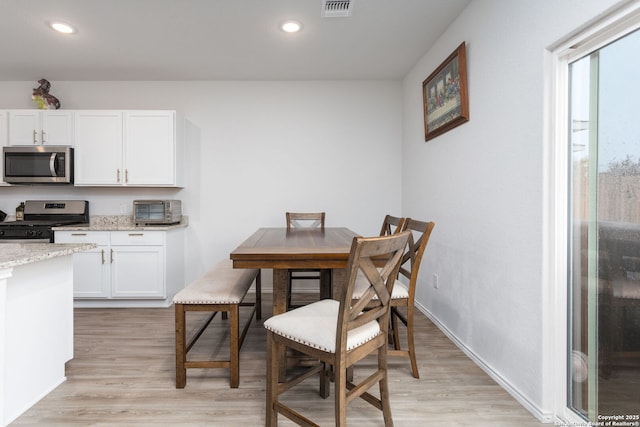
(36, 322)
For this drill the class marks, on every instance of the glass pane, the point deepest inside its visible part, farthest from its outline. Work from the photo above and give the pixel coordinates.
(605, 226)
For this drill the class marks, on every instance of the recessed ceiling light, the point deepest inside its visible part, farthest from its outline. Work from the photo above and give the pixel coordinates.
(62, 27)
(291, 26)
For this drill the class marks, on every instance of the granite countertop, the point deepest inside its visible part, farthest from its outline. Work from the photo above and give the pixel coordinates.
(118, 223)
(15, 254)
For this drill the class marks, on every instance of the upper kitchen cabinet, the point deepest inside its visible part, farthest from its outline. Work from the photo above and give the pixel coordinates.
(40, 127)
(3, 128)
(3, 140)
(128, 148)
(98, 148)
(150, 148)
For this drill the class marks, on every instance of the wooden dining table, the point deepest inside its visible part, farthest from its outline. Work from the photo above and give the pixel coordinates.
(282, 249)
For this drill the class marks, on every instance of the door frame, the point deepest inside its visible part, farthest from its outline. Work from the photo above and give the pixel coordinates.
(595, 35)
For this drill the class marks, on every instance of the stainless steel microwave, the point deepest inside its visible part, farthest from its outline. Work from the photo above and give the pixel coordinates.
(42, 164)
(157, 212)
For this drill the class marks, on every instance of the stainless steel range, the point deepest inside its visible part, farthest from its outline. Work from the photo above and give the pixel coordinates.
(40, 216)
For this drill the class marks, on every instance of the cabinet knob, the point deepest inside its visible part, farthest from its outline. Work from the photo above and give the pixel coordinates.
(103, 256)
(34, 136)
(118, 177)
(111, 256)
(42, 133)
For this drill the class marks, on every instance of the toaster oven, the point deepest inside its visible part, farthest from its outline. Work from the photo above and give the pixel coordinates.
(157, 212)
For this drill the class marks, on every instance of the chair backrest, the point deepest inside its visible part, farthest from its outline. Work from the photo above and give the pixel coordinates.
(391, 225)
(375, 301)
(418, 239)
(305, 219)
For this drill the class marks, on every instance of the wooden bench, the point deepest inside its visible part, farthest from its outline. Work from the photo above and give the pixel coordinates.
(221, 289)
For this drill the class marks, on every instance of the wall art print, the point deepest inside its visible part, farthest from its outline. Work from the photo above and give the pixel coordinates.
(445, 95)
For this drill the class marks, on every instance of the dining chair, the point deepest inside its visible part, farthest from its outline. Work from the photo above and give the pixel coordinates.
(391, 225)
(404, 291)
(306, 220)
(339, 334)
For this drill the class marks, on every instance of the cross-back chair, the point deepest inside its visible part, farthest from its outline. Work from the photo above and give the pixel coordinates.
(404, 291)
(339, 334)
(306, 220)
(391, 225)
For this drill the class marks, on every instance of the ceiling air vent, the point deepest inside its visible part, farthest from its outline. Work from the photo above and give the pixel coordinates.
(336, 8)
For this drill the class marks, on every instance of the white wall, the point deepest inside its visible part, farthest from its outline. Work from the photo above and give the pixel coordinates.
(482, 183)
(264, 148)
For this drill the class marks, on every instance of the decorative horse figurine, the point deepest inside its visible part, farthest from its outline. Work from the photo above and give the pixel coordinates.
(44, 100)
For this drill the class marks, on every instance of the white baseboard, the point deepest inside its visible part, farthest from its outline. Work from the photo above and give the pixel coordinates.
(542, 416)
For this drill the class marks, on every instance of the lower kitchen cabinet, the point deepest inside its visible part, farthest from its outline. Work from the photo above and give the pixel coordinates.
(91, 274)
(137, 272)
(91, 277)
(127, 268)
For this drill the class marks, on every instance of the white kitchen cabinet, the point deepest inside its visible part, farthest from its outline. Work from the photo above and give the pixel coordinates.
(137, 264)
(128, 268)
(91, 269)
(98, 148)
(3, 141)
(91, 273)
(40, 127)
(137, 272)
(128, 148)
(150, 148)
(3, 128)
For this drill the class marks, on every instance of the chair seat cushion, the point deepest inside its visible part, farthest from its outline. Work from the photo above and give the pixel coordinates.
(315, 325)
(400, 290)
(223, 284)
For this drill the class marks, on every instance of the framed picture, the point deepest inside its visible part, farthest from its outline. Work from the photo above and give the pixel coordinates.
(445, 96)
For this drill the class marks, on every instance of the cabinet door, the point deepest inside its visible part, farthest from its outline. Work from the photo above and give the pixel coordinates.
(150, 148)
(3, 140)
(57, 128)
(24, 127)
(91, 273)
(37, 127)
(137, 272)
(98, 148)
(90, 268)
(3, 128)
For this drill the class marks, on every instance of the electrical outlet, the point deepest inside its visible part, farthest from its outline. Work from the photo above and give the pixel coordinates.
(435, 281)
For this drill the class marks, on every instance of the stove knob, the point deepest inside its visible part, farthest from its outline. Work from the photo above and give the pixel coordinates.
(1, 232)
(39, 233)
(29, 232)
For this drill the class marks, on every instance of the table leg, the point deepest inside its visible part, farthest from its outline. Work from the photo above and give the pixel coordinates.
(279, 291)
(279, 307)
(325, 284)
(338, 281)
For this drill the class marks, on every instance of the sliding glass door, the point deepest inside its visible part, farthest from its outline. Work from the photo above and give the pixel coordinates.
(604, 232)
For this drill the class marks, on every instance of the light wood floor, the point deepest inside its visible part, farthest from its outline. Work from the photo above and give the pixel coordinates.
(123, 373)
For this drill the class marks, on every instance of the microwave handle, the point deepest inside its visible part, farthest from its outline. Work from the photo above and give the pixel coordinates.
(53, 162)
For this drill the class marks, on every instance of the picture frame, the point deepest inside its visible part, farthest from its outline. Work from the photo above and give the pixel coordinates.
(445, 95)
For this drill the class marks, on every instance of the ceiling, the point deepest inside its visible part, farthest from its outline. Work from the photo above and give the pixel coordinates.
(216, 39)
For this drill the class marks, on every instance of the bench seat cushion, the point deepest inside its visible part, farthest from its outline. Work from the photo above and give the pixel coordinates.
(223, 284)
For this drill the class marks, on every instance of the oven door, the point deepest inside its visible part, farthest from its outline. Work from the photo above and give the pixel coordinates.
(41, 164)
(13, 234)
(2, 241)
